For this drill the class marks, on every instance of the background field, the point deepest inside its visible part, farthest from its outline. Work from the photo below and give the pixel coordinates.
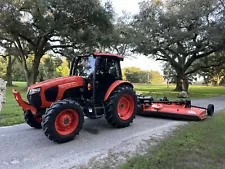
(12, 113)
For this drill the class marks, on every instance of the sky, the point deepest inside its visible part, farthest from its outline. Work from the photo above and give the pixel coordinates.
(131, 6)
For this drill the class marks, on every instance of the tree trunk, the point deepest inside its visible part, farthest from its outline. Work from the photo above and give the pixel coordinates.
(219, 80)
(31, 75)
(9, 71)
(185, 84)
(178, 83)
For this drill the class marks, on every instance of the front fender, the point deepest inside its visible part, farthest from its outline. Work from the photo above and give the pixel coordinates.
(114, 85)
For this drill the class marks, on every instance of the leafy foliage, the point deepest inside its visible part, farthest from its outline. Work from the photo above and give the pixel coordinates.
(63, 70)
(3, 64)
(36, 27)
(214, 74)
(136, 75)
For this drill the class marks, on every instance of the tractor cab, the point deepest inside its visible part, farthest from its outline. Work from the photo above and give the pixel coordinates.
(88, 65)
(99, 71)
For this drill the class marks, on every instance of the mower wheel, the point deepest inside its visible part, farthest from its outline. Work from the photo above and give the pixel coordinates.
(63, 121)
(32, 120)
(121, 107)
(210, 110)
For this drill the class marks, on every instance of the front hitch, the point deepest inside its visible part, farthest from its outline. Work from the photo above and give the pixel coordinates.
(25, 106)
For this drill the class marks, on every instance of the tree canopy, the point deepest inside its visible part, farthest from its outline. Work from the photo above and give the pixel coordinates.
(36, 27)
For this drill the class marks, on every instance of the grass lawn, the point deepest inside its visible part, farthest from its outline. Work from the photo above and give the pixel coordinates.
(12, 113)
(198, 145)
(195, 92)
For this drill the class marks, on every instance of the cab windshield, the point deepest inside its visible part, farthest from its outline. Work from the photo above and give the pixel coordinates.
(82, 66)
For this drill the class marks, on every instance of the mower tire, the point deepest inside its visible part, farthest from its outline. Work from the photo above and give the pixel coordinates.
(210, 110)
(32, 120)
(63, 121)
(121, 107)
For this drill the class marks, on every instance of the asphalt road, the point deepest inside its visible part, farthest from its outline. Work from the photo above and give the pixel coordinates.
(25, 148)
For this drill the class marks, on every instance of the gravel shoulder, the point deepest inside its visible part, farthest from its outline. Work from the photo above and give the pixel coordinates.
(23, 147)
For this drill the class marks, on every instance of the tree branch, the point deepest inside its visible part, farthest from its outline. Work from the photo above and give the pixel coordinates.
(195, 57)
(58, 52)
(58, 46)
(204, 67)
(27, 39)
(158, 59)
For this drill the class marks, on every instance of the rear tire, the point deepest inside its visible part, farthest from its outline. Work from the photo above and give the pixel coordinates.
(32, 120)
(121, 107)
(210, 110)
(63, 121)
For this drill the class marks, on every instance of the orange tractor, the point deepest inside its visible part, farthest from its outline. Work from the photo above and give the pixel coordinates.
(93, 89)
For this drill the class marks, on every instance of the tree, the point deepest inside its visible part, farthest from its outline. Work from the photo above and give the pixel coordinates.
(156, 77)
(136, 75)
(36, 27)
(7, 53)
(214, 74)
(18, 72)
(47, 68)
(3, 64)
(10, 61)
(132, 74)
(180, 33)
(63, 70)
(118, 41)
(171, 76)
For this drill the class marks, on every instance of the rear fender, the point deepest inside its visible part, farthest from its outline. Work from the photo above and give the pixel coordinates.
(114, 85)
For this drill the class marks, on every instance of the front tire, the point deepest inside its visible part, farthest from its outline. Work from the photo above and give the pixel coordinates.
(32, 120)
(63, 121)
(121, 107)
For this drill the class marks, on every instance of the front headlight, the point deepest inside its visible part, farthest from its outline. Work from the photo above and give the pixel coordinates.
(35, 90)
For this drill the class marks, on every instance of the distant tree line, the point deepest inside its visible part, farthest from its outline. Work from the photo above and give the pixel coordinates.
(136, 75)
(50, 67)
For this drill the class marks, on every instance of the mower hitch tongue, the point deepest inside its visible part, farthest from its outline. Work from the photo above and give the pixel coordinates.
(177, 109)
(94, 88)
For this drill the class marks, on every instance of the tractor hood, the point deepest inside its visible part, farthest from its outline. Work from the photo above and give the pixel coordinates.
(57, 82)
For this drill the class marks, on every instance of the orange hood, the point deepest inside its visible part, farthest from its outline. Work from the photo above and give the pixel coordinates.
(56, 81)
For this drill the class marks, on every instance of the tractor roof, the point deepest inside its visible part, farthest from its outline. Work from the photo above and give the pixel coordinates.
(104, 55)
(108, 55)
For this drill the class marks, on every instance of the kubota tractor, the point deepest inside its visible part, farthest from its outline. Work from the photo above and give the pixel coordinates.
(93, 89)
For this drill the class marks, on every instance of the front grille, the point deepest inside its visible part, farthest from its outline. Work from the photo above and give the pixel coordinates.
(34, 100)
(51, 94)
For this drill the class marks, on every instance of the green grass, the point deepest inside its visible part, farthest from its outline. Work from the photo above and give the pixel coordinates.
(194, 146)
(195, 92)
(12, 113)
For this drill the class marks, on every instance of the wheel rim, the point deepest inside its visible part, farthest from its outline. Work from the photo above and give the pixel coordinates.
(66, 122)
(125, 107)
